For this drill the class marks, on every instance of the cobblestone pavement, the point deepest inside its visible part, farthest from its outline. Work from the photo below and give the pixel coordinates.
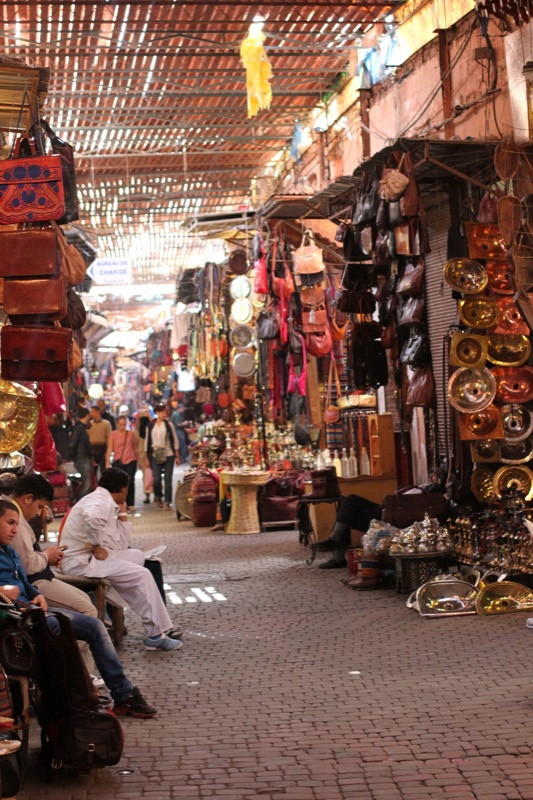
(291, 687)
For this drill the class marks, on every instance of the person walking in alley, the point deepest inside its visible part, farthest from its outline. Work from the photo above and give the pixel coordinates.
(162, 449)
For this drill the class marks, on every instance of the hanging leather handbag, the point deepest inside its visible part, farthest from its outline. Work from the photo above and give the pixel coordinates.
(35, 300)
(371, 199)
(367, 239)
(73, 265)
(31, 188)
(319, 343)
(421, 389)
(416, 351)
(382, 254)
(412, 281)
(395, 215)
(314, 319)
(267, 326)
(332, 412)
(29, 253)
(412, 312)
(76, 312)
(338, 326)
(308, 257)
(35, 353)
(393, 182)
(312, 296)
(65, 152)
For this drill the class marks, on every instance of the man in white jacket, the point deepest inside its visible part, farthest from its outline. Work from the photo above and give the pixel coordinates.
(97, 535)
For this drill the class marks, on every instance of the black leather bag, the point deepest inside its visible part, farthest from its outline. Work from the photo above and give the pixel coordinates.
(66, 153)
(416, 351)
(267, 326)
(17, 651)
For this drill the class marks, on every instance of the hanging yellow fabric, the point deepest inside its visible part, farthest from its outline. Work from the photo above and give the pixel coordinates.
(258, 71)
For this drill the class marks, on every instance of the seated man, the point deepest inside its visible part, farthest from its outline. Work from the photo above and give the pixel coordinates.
(96, 534)
(30, 494)
(15, 585)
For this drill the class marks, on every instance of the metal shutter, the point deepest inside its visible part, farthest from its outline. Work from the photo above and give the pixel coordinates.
(441, 307)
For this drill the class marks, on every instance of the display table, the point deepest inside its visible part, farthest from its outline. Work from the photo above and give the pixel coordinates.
(411, 570)
(244, 516)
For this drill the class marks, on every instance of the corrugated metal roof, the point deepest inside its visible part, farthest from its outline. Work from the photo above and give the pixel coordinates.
(153, 96)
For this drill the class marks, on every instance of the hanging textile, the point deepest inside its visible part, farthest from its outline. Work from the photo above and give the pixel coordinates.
(258, 71)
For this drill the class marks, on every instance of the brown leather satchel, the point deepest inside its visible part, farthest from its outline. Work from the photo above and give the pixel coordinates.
(332, 411)
(409, 504)
(36, 353)
(421, 389)
(35, 300)
(29, 253)
(315, 319)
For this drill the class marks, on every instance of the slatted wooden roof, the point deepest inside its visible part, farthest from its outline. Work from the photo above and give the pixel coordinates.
(152, 94)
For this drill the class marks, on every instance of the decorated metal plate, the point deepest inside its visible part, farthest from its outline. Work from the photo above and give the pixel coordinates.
(516, 452)
(482, 484)
(244, 364)
(514, 478)
(242, 311)
(514, 384)
(19, 414)
(478, 312)
(240, 287)
(465, 275)
(508, 349)
(485, 451)
(468, 350)
(517, 422)
(471, 390)
(241, 336)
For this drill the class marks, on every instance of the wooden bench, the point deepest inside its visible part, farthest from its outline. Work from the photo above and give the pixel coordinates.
(98, 586)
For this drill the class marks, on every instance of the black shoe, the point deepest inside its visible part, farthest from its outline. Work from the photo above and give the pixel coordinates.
(327, 546)
(333, 564)
(134, 706)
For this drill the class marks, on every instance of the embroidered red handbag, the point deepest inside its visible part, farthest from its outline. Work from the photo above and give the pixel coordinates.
(31, 189)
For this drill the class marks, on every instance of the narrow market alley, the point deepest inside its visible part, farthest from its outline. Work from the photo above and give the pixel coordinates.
(291, 687)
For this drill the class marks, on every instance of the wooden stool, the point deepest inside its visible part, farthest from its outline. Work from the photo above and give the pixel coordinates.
(99, 586)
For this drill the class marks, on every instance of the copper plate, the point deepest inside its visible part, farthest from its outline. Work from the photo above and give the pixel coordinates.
(510, 320)
(465, 275)
(484, 424)
(514, 477)
(517, 422)
(499, 281)
(485, 451)
(508, 349)
(478, 312)
(514, 384)
(485, 240)
(481, 484)
(468, 350)
(471, 390)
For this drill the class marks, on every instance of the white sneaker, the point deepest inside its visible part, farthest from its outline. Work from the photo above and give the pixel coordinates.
(163, 642)
(97, 682)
